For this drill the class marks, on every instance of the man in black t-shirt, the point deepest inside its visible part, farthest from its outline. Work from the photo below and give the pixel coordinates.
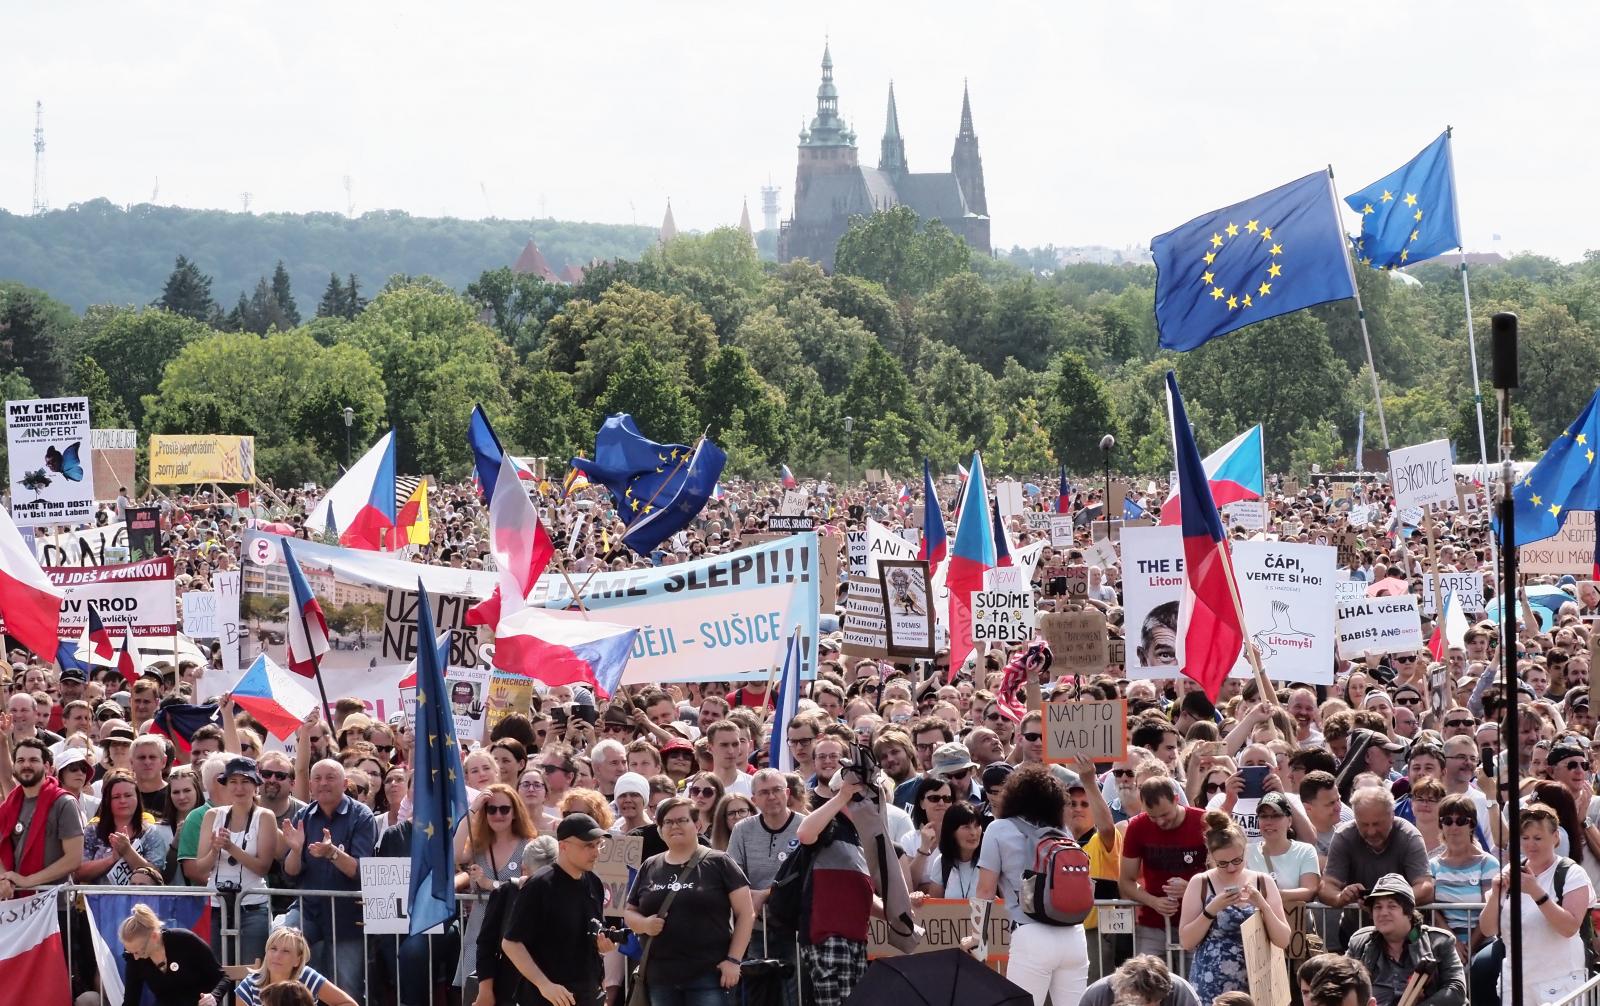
(554, 937)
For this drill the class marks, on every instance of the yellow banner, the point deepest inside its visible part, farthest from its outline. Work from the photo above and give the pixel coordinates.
(190, 460)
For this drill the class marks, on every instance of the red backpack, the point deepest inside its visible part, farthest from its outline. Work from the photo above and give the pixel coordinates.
(1056, 889)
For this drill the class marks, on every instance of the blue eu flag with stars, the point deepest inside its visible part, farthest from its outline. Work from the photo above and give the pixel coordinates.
(658, 488)
(1409, 215)
(1272, 254)
(1565, 479)
(438, 784)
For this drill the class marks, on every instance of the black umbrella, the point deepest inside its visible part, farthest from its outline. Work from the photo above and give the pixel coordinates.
(942, 978)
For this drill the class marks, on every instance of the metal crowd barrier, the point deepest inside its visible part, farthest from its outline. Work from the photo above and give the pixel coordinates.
(1113, 939)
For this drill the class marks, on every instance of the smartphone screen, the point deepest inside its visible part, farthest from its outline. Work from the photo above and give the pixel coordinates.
(1255, 776)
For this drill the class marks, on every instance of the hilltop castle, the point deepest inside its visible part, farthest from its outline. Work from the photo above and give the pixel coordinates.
(830, 187)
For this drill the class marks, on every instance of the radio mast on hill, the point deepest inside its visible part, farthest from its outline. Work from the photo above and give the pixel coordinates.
(769, 206)
(40, 201)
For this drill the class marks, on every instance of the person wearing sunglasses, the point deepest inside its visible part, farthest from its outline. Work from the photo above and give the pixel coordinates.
(488, 853)
(238, 845)
(1216, 905)
(1462, 872)
(1029, 748)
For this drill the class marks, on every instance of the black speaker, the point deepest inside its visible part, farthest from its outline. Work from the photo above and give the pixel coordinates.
(1503, 347)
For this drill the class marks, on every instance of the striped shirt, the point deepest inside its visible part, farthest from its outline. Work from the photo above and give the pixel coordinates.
(1467, 883)
(249, 990)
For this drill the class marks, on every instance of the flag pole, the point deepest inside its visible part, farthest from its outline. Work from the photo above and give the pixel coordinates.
(1263, 685)
(316, 671)
(1361, 315)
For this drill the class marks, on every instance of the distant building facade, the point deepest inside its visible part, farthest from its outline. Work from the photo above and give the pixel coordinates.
(831, 187)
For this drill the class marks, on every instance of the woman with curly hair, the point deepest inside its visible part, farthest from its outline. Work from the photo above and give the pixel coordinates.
(582, 800)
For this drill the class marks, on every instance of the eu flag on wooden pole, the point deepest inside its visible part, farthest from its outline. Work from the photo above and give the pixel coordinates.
(438, 784)
(1271, 254)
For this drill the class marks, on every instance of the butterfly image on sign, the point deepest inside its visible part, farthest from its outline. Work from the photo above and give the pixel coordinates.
(65, 462)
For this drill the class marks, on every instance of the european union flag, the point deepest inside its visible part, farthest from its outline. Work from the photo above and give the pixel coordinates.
(1409, 215)
(658, 488)
(1565, 479)
(438, 784)
(1275, 253)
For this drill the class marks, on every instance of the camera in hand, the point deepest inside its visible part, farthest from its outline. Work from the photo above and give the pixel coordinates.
(616, 934)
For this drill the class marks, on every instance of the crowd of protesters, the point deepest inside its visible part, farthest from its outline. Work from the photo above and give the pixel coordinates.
(1381, 803)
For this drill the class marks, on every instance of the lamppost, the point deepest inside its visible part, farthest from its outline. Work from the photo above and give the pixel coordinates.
(849, 425)
(1108, 443)
(349, 420)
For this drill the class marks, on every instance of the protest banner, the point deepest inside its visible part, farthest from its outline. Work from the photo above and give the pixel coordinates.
(1468, 588)
(1077, 576)
(791, 524)
(1061, 530)
(1347, 590)
(1248, 514)
(1152, 583)
(469, 701)
(1077, 641)
(1379, 625)
(192, 460)
(1291, 487)
(51, 461)
(865, 631)
(907, 599)
(144, 532)
(386, 896)
(509, 693)
(1347, 545)
(1265, 965)
(200, 614)
(103, 545)
(1009, 497)
(115, 454)
(1039, 522)
(1120, 490)
(945, 923)
(794, 503)
(139, 595)
(1422, 474)
(228, 585)
(1360, 516)
(1004, 615)
(1288, 595)
(1570, 550)
(399, 639)
(33, 959)
(1087, 729)
(618, 855)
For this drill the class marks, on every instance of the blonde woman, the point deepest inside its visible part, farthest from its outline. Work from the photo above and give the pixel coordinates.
(285, 961)
(174, 964)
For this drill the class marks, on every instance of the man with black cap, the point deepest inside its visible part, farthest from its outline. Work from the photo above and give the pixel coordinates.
(554, 937)
(1397, 945)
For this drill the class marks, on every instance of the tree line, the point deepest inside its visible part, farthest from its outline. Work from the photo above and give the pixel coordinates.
(912, 348)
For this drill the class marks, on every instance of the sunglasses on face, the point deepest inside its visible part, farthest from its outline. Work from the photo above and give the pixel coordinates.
(1459, 820)
(384, 749)
(1573, 766)
(1458, 723)
(1033, 736)
(268, 773)
(1409, 700)
(357, 790)
(936, 798)
(497, 809)
(1405, 660)
(1212, 788)
(958, 775)
(702, 791)
(1122, 773)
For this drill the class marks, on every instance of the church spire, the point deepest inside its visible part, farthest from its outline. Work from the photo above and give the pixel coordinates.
(966, 114)
(744, 221)
(669, 227)
(828, 129)
(892, 155)
(966, 163)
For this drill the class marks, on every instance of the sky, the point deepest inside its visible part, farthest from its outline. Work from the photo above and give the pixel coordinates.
(1099, 123)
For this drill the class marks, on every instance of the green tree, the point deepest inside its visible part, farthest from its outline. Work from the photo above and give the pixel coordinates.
(1076, 412)
(734, 399)
(648, 390)
(89, 379)
(284, 296)
(188, 292)
(588, 339)
(519, 305)
(547, 421)
(959, 406)
(893, 248)
(1316, 444)
(831, 344)
(868, 303)
(133, 347)
(34, 328)
(332, 304)
(956, 313)
(1464, 433)
(771, 348)
(13, 388)
(437, 360)
(1559, 358)
(1026, 322)
(886, 443)
(724, 252)
(878, 387)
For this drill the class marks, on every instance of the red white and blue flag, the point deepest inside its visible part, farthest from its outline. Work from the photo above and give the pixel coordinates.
(561, 648)
(786, 704)
(522, 548)
(33, 962)
(1002, 541)
(1063, 493)
(308, 629)
(274, 697)
(361, 506)
(933, 547)
(1210, 631)
(130, 661)
(905, 493)
(96, 640)
(973, 555)
(29, 602)
(788, 478)
(1235, 471)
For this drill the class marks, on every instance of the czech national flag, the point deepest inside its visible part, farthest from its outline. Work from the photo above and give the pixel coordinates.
(1063, 493)
(179, 721)
(1210, 631)
(788, 478)
(522, 547)
(29, 602)
(130, 662)
(549, 646)
(308, 630)
(905, 493)
(1002, 541)
(933, 546)
(974, 554)
(361, 505)
(1450, 630)
(486, 452)
(786, 705)
(1235, 471)
(273, 697)
(96, 640)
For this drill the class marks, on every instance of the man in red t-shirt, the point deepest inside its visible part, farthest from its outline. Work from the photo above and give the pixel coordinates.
(1161, 849)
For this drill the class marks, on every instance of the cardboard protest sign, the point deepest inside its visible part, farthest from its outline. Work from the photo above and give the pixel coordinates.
(1078, 641)
(1061, 529)
(907, 601)
(1086, 729)
(1004, 615)
(1570, 550)
(1379, 625)
(386, 896)
(1347, 543)
(190, 460)
(1287, 591)
(618, 854)
(1422, 474)
(1348, 591)
(115, 456)
(51, 459)
(228, 585)
(1248, 514)
(200, 614)
(794, 503)
(1039, 522)
(1152, 583)
(830, 555)
(945, 923)
(509, 693)
(1264, 963)
(1468, 587)
(140, 595)
(1116, 652)
(865, 632)
(1077, 582)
